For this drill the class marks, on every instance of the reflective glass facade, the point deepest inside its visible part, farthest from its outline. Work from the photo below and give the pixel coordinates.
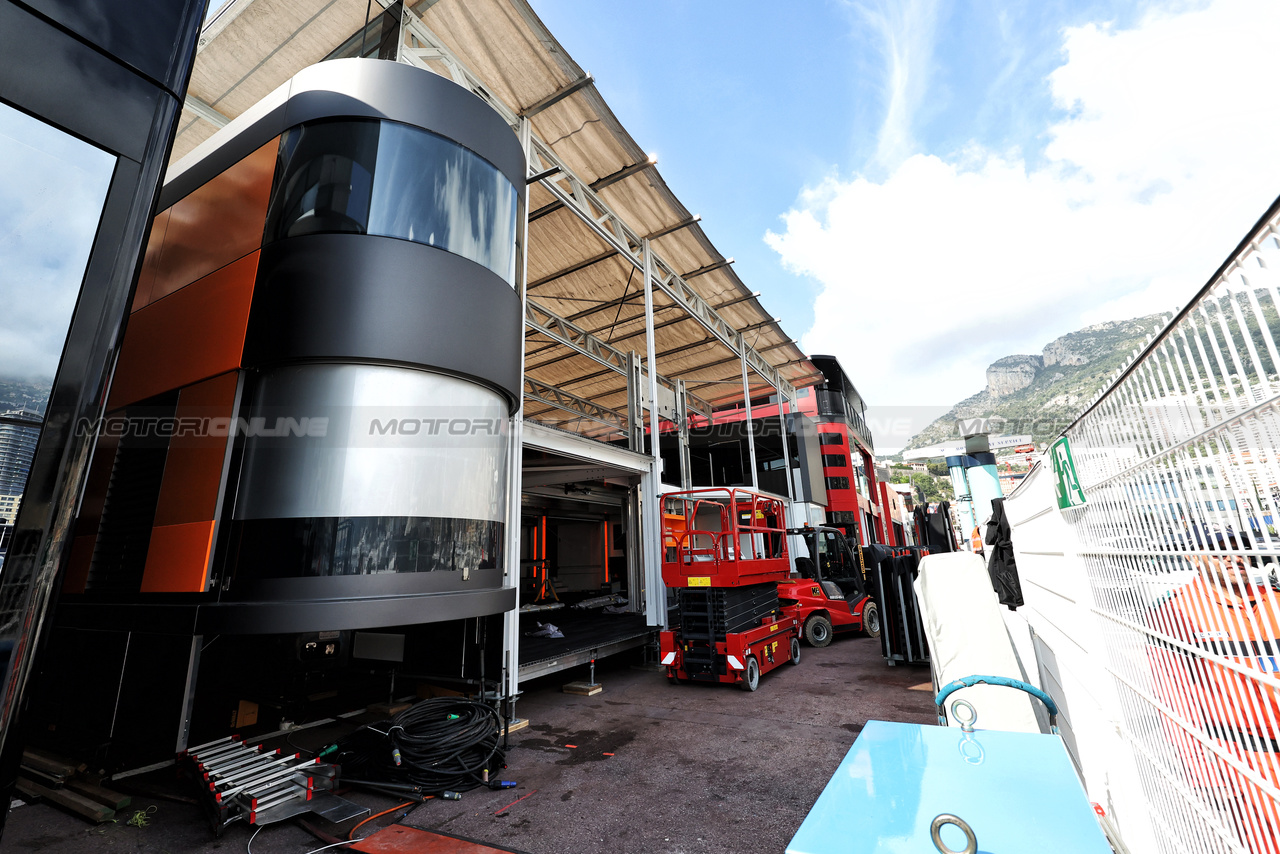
(392, 180)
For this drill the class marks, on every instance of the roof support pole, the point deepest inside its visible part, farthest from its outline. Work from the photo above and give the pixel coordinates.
(655, 592)
(786, 442)
(746, 397)
(511, 575)
(635, 404)
(786, 467)
(682, 421)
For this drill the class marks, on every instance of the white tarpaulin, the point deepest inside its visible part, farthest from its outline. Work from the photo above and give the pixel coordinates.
(967, 637)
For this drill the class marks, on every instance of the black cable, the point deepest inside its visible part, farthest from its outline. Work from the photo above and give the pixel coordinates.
(444, 744)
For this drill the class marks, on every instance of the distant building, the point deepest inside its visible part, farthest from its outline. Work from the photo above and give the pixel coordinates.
(19, 432)
(9, 508)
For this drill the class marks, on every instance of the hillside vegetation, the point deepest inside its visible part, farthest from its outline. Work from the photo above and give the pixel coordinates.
(1041, 394)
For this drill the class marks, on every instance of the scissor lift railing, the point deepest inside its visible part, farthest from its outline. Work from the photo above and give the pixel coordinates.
(1180, 454)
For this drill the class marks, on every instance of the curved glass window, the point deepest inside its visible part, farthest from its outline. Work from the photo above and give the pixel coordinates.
(388, 179)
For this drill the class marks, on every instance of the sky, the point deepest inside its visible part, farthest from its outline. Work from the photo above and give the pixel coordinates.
(52, 188)
(920, 188)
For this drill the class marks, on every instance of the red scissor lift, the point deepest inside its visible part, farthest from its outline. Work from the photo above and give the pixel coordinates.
(724, 552)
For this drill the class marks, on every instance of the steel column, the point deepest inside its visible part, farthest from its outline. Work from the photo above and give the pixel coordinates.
(511, 577)
(655, 592)
(746, 399)
(682, 422)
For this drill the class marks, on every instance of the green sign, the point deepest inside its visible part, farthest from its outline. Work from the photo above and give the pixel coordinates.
(1064, 472)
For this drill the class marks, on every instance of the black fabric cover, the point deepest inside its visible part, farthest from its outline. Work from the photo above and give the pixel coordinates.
(901, 630)
(940, 538)
(1001, 565)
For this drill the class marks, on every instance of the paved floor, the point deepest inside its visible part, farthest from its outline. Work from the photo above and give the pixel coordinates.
(695, 769)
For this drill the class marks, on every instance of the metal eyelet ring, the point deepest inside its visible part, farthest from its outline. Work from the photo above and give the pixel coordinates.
(935, 831)
(966, 724)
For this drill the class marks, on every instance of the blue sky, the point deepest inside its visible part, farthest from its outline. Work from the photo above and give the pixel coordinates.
(923, 187)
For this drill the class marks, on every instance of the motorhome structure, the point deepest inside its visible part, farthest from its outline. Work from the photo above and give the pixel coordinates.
(371, 435)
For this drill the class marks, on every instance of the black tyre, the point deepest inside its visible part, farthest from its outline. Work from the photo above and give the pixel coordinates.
(795, 650)
(750, 676)
(817, 631)
(871, 620)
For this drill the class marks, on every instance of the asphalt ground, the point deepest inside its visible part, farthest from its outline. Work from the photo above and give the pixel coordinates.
(654, 767)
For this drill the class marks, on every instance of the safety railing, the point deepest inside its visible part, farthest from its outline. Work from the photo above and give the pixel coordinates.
(1172, 484)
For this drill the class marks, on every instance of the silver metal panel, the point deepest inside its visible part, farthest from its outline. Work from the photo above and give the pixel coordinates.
(378, 441)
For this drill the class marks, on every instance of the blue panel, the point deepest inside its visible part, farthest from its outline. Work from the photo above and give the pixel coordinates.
(1018, 791)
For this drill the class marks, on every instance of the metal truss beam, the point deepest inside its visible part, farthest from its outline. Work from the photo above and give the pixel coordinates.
(701, 271)
(574, 405)
(558, 96)
(204, 110)
(570, 191)
(581, 265)
(581, 341)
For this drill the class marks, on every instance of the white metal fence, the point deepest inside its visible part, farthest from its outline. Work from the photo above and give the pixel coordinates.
(1179, 464)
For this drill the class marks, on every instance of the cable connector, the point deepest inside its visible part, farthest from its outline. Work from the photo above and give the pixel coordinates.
(395, 754)
(502, 784)
(451, 796)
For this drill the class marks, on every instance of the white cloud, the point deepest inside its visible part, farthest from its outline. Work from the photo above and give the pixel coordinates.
(905, 32)
(1166, 158)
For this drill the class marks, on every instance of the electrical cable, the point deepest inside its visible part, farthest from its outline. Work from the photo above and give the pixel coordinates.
(351, 835)
(441, 746)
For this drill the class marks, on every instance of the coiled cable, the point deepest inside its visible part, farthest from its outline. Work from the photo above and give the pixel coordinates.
(444, 744)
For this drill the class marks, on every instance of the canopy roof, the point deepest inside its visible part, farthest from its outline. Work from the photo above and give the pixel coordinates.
(594, 197)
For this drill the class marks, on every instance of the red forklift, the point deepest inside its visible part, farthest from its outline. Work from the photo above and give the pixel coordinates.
(725, 553)
(831, 594)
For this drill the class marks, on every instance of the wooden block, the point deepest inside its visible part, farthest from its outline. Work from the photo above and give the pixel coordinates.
(585, 689)
(46, 763)
(78, 804)
(53, 781)
(517, 725)
(100, 794)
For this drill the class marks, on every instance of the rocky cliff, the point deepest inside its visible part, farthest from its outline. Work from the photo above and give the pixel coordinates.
(1040, 395)
(1012, 373)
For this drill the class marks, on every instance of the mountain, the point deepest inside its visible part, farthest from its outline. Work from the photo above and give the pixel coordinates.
(1041, 394)
(29, 394)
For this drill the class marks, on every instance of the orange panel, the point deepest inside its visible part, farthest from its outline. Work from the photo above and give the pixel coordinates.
(178, 558)
(186, 337)
(193, 468)
(77, 574)
(216, 224)
(150, 261)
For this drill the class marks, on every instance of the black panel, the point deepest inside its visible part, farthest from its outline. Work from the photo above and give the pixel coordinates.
(112, 107)
(331, 615)
(146, 34)
(82, 88)
(358, 298)
(120, 554)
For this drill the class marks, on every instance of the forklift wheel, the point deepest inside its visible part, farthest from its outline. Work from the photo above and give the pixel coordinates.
(751, 676)
(795, 650)
(817, 631)
(871, 620)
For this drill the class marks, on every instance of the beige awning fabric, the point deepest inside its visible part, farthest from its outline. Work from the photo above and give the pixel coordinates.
(253, 46)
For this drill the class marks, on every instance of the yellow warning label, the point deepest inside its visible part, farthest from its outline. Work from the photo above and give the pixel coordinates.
(699, 581)
(774, 627)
